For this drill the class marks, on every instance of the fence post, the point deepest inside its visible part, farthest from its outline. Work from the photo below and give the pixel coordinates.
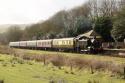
(44, 59)
(91, 68)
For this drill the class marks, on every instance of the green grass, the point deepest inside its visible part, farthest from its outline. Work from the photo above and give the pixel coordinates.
(34, 72)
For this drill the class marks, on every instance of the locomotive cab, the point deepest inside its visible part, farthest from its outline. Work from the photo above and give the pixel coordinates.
(83, 45)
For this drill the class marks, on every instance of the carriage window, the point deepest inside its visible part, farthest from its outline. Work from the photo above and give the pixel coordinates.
(42, 43)
(39, 43)
(57, 42)
(63, 42)
(69, 42)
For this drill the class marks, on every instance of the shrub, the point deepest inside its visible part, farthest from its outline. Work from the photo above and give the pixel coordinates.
(77, 63)
(99, 65)
(58, 61)
(117, 69)
(1, 60)
(26, 57)
(30, 63)
(13, 65)
(20, 61)
(93, 81)
(6, 50)
(4, 64)
(17, 60)
(1, 81)
(52, 81)
(80, 63)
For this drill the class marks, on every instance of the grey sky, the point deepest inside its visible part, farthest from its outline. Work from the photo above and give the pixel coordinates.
(31, 11)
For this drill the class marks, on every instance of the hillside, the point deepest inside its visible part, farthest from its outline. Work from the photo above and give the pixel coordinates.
(4, 27)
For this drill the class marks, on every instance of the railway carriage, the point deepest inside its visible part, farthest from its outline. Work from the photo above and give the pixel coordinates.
(31, 44)
(23, 44)
(63, 44)
(44, 44)
(14, 44)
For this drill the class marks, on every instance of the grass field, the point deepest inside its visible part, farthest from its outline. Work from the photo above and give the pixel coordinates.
(17, 70)
(12, 71)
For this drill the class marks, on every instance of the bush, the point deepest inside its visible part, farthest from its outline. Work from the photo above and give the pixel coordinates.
(26, 57)
(117, 69)
(93, 81)
(76, 62)
(13, 65)
(4, 64)
(15, 60)
(30, 63)
(6, 50)
(58, 61)
(99, 65)
(1, 81)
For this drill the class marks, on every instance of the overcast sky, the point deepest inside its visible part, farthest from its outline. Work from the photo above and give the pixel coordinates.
(31, 11)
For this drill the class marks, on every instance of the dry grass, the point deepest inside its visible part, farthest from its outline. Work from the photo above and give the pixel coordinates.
(58, 60)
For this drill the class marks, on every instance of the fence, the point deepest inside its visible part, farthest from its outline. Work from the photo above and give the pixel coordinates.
(113, 45)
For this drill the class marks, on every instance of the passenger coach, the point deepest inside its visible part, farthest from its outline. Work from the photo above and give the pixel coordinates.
(63, 44)
(14, 44)
(44, 44)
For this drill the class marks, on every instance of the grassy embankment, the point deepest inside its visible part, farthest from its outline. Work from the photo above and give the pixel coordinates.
(17, 70)
(116, 60)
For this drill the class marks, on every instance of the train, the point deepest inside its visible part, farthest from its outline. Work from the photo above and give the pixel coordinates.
(63, 44)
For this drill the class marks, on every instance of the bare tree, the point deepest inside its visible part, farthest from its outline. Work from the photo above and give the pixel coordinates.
(108, 7)
(103, 8)
(93, 6)
(121, 4)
